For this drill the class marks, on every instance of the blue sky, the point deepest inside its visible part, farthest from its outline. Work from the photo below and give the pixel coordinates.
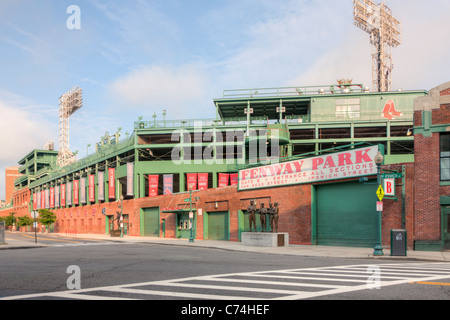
(137, 57)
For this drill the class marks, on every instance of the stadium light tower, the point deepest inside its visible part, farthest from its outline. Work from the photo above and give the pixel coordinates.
(385, 33)
(69, 103)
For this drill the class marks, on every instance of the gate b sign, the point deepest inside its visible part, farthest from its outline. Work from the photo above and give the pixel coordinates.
(341, 165)
(389, 187)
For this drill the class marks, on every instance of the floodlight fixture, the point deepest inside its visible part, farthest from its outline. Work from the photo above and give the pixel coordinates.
(385, 34)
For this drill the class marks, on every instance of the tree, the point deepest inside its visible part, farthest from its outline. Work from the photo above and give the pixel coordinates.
(24, 221)
(10, 220)
(46, 217)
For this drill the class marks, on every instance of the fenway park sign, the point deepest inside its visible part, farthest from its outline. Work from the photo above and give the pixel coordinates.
(342, 165)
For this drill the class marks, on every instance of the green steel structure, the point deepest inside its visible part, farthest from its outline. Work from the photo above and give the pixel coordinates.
(291, 122)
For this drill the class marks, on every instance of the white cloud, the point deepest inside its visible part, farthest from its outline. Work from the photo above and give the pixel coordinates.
(289, 43)
(174, 89)
(23, 127)
(315, 43)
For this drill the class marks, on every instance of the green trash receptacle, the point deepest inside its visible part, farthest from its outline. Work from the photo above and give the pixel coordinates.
(398, 242)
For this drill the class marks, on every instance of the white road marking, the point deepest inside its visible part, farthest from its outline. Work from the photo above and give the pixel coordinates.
(335, 278)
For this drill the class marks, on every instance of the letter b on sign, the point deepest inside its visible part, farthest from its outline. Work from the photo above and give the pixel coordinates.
(389, 187)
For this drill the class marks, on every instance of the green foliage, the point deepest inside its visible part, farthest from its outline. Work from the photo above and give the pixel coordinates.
(24, 221)
(9, 220)
(46, 217)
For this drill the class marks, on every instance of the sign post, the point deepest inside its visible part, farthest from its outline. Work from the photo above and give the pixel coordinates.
(35, 215)
(380, 193)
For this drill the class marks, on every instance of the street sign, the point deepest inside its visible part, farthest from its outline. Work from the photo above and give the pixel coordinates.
(187, 200)
(394, 175)
(380, 193)
(379, 206)
(389, 187)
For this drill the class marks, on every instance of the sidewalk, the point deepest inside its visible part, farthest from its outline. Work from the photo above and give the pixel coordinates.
(299, 250)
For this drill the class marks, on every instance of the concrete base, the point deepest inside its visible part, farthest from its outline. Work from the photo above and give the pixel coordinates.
(114, 233)
(265, 239)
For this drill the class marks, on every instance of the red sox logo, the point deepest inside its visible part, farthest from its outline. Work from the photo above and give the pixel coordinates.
(390, 112)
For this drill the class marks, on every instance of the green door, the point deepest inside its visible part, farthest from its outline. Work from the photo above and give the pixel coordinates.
(150, 222)
(183, 226)
(218, 226)
(346, 214)
(446, 227)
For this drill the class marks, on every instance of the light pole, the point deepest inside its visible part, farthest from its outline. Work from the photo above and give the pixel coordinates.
(191, 215)
(378, 250)
(121, 216)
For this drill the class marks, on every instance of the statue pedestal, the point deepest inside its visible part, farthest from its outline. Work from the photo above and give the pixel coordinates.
(265, 239)
(114, 233)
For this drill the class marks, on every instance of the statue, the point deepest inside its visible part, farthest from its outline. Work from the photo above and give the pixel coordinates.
(252, 215)
(274, 212)
(262, 217)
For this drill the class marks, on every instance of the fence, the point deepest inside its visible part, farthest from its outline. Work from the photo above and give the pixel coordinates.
(2, 231)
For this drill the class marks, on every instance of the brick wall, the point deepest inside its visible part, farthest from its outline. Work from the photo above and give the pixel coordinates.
(441, 115)
(295, 210)
(427, 218)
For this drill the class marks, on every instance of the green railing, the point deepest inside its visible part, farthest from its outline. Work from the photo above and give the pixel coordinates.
(293, 91)
(106, 152)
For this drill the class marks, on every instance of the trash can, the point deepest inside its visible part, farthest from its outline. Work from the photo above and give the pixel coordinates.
(398, 242)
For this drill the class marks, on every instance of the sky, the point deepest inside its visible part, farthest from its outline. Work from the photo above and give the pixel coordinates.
(139, 57)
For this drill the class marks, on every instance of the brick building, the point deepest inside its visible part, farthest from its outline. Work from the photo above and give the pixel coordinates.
(342, 122)
(11, 174)
(432, 168)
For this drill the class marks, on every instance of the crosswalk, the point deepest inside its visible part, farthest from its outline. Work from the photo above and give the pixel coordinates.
(292, 284)
(84, 244)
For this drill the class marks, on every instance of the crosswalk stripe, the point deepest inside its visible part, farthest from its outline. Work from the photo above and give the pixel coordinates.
(272, 284)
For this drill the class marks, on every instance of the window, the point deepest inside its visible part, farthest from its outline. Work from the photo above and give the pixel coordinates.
(445, 156)
(348, 108)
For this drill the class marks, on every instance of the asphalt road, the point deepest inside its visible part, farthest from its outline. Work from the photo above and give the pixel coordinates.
(110, 270)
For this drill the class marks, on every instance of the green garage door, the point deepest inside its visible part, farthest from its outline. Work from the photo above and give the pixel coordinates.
(346, 214)
(218, 226)
(150, 222)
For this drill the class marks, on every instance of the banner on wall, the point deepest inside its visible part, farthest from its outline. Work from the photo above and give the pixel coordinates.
(69, 193)
(130, 180)
(112, 183)
(91, 188)
(63, 195)
(83, 190)
(57, 204)
(340, 165)
(202, 181)
(76, 187)
(47, 198)
(168, 184)
(234, 179)
(35, 199)
(223, 179)
(38, 200)
(52, 197)
(101, 186)
(153, 185)
(191, 181)
(42, 199)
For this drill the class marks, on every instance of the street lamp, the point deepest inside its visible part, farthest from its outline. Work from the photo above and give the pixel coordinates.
(191, 215)
(378, 250)
(121, 216)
